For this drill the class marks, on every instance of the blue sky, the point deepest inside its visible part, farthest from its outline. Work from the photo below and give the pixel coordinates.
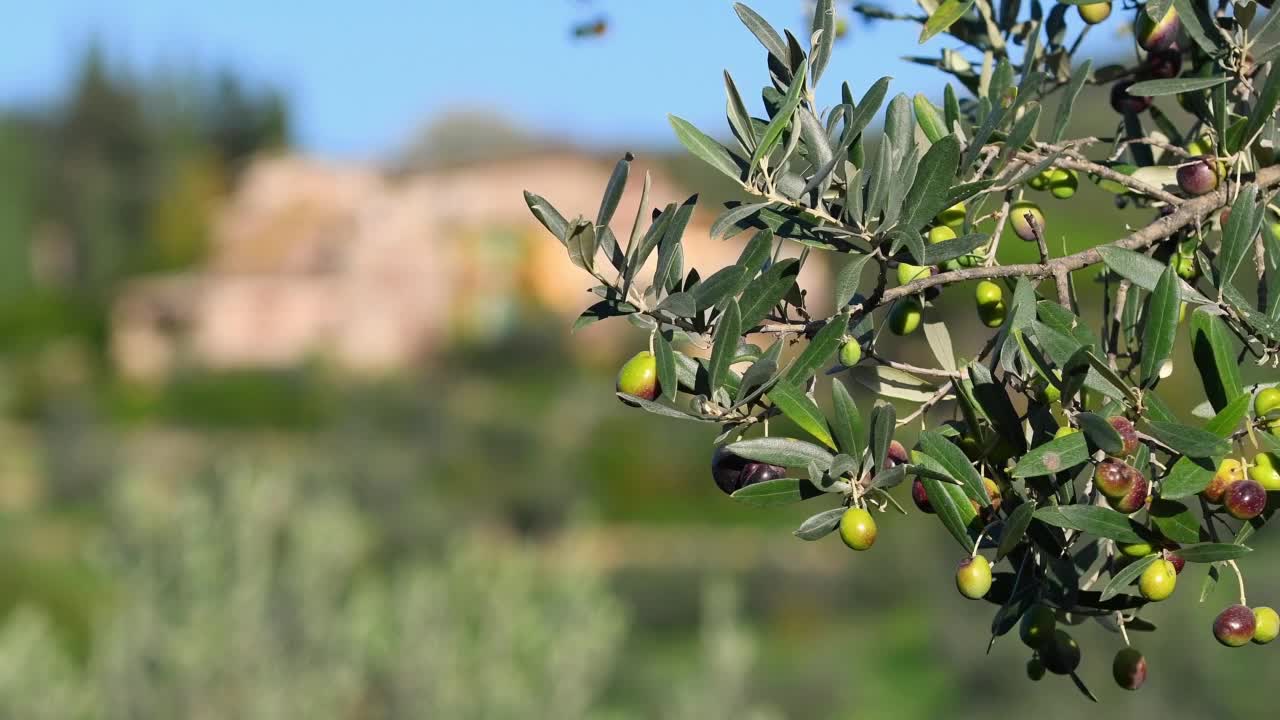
(364, 76)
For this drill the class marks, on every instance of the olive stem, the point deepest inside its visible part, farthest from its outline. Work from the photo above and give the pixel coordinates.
(1123, 632)
(1239, 581)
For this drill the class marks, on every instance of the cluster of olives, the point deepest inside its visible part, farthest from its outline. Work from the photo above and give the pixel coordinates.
(1162, 41)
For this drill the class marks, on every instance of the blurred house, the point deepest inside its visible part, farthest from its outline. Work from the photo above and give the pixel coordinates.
(375, 273)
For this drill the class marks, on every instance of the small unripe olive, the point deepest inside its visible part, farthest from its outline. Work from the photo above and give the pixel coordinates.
(905, 316)
(990, 299)
(1185, 267)
(1265, 402)
(1061, 654)
(1040, 181)
(858, 528)
(1035, 669)
(941, 233)
(1267, 625)
(1022, 215)
(639, 377)
(1064, 431)
(973, 577)
(1235, 626)
(1037, 626)
(1094, 12)
(1157, 582)
(1245, 499)
(1202, 145)
(1063, 183)
(1129, 669)
(1157, 35)
(1045, 392)
(952, 217)
(908, 272)
(850, 353)
(1136, 550)
(1229, 472)
(1265, 471)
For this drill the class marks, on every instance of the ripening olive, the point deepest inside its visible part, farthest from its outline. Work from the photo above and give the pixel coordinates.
(1129, 669)
(1245, 499)
(732, 473)
(639, 377)
(1229, 472)
(1235, 626)
(1115, 478)
(1037, 626)
(1128, 435)
(1198, 176)
(1153, 35)
(1135, 499)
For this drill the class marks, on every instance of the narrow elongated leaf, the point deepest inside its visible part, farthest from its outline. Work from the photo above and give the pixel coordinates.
(728, 331)
(666, 362)
(1100, 433)
(819, 526)
(1069, 97)
(935, 176)
(613, 190)
(890, 382)
(1268, 97)
(739, 118)
(1187, 440)
(1125, 577)
(928, 118)
(1091, 519)
(780, 121)
(1175, 521)
(883, 417)
(787, 452)
(763, 31)
(1173, 86)
(848, 279)
(938, 253)
(1161, 325)
(939, 339)
(1144, 272)
(1238, 234)
(782, 491)
(1213, 552)
(767, 291)
(824, 27)
(759, 375)
(582, 246)
(847, 425)
(1215, 357)
(801, 410)
(660, 409)
(949, 502)
(1228, 419)
(1015, 528)
(819, 350)
(723, 283)
(1187, 477)
(670, 253)
(730, 221)
(1054, 456)
(546, 214)
(1199, 25)
(705, 148)
(953, 460)
(944, 17)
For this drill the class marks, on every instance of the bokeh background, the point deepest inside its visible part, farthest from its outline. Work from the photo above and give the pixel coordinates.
(292, 423)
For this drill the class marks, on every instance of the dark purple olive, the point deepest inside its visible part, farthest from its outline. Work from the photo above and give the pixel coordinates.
(1198, 176)
(1124, 103)
(1245, 500)
(733, 473)
(920, 497)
